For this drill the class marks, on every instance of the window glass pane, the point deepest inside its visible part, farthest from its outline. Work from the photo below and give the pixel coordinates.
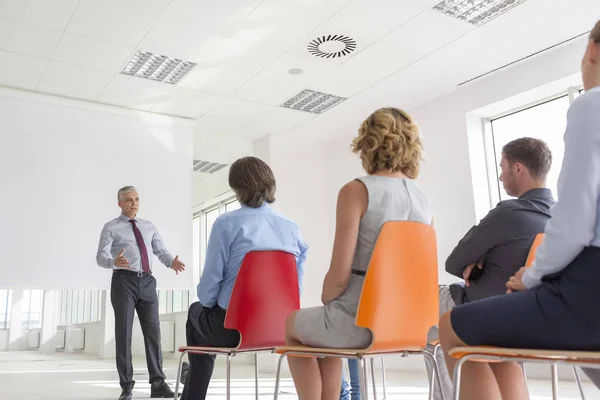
(162, 302)
(87, 303)
(169, 301)
(25, 309)
(35, 311)
(546, 121)
(233, 205)
(196, 244)
(4, 306)
(69, 307)
(178, 301)
(211, 217)
(95, 304)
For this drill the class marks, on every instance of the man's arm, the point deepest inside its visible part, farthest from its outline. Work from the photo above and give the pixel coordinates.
(217, 254)
(160, 250)
(472, 248)
(300, 263)
(103, 257)
(573, 223)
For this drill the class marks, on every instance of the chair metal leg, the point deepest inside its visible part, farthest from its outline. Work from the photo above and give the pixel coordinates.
(525, 376)
(277, 375)
(373, 379)
(383, 377)
(256, 374)
(178, 377)
(554, 382)
(457, 377)
(364, 380)
(228, 376)
(435, 379)
(579, 385)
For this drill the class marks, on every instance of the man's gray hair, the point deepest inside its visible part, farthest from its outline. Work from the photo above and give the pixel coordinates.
(125, 189)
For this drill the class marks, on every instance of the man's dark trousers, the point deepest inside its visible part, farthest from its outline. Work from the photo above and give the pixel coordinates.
(130, 293)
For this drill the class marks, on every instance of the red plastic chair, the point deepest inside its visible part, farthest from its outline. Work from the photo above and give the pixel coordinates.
(265, 293)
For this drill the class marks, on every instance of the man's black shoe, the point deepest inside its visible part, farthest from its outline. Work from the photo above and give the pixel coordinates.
(185, 368)
(126, 394)
(160, 390)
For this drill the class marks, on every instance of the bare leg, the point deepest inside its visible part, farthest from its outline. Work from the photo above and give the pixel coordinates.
(478, 381)
(331, 376)
(305, 370)
(511, 380)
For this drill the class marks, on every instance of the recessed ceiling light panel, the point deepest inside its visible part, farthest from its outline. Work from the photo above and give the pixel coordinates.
(331, 46)
(160, 68)
(476, 12)
(313, 101)
(207, 167)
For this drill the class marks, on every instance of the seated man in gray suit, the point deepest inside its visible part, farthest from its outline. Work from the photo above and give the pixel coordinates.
(494, 250)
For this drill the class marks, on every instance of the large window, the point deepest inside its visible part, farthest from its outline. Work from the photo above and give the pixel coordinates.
(5, 306)
(80, 306)
(33, 301)
(208, 218)
(544, 120)
(172, 301)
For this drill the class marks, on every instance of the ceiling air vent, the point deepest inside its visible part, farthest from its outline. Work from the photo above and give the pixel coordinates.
(331, 46)
(157, 68)
(313, 101)
(476, 12)
(207, 167)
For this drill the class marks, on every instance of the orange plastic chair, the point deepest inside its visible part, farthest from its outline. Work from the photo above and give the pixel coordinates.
(264, 294)
(496, 354)
(399, 302)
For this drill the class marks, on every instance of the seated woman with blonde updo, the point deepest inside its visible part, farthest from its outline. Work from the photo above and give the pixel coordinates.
(390, 148)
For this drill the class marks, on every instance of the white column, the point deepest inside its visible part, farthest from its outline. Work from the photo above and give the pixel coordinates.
(106, 348)
(50, 318)
(16, 336)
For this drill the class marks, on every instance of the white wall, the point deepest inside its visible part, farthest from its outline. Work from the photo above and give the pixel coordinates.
(62, 163)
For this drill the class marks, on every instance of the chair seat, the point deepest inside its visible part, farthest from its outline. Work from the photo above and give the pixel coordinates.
(546, 355)
(221, 350)
(342, 352)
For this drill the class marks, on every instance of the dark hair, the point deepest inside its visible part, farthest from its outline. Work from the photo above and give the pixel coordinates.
(532, 153)
(595, 33)
(252, 181)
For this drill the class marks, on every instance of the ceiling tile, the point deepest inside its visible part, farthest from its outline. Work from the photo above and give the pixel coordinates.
(226, 150)
(114, 25)
(72, 81)
(315, 9)
(277, 121)
(53, 14)
(383, 59)
(210, 14)
(18, 37)
(92, 53)
(17, 83)
(187, 103)
(344, 82)
(153, 8)
(266, 91)
(386, 15)
(219, 125)
(423, 32)
(137, 93)
(311, 67)
(21, 68)
(222, 80)
(242, 109)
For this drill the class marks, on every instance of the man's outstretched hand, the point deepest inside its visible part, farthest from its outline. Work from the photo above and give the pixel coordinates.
(121, 261)
(177, 265)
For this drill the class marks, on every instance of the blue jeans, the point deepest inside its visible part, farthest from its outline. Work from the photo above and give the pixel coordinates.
(352, 391)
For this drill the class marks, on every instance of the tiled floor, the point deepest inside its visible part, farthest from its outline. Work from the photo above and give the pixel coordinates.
(32, 376)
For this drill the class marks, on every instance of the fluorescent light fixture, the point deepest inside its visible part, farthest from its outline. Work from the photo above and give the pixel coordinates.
(207, 167)
(148, 65)
(476, 12)
(313, 101)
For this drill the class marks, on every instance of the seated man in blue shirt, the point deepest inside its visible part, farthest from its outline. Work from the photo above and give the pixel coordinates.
(255, 226)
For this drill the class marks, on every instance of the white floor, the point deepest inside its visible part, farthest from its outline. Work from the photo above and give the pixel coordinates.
(32, 376)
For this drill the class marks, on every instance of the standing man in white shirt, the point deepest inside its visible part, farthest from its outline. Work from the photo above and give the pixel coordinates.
(553, 305)
(123, 247)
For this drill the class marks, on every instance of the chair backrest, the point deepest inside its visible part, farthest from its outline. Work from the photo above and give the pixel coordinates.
(399, 302)
(265, 293)
(539, 238)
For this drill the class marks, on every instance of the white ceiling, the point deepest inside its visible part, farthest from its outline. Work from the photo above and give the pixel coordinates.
(405, 54)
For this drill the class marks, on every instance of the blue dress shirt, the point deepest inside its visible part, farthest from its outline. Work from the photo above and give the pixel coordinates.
(575, 222)
(237, 233)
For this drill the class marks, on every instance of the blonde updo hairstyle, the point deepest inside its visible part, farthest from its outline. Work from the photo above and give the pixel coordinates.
(389, 141)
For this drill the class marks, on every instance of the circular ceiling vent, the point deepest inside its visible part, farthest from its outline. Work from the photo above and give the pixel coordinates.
(332, 46)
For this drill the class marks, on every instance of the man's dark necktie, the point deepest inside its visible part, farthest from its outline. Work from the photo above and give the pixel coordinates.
(142, 246)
